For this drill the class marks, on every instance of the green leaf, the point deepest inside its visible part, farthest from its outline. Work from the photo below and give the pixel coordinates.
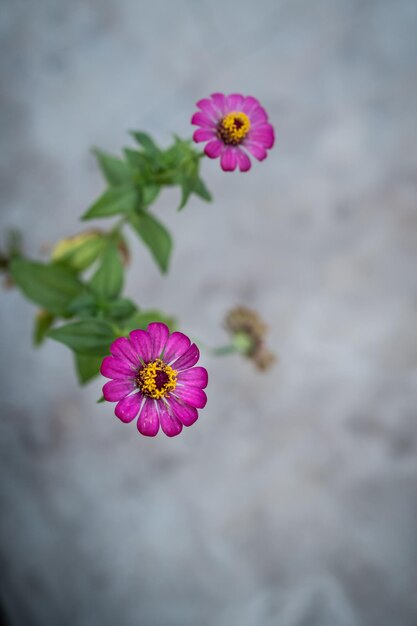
(155, 236)
(100, 400)
(87, 367)
(121, 309)
(150, 193)
(53, 287)
(147, 143)
(141, 319)
(107, 282)
(186, 191)
(137, 160)
(189, 180)
(89, 336)
(193, 184)
(84, 305)
(200, 189)
(116, 171)
(114, 201)
(174, 159)
(43, 322)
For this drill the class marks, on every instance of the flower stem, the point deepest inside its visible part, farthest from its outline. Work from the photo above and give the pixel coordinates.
(223, 350)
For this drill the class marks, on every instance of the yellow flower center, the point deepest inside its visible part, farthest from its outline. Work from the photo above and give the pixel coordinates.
(233, 128)
(156, 379)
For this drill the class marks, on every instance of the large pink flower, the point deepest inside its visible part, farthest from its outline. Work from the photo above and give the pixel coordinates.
(153, 377)
(232, 125)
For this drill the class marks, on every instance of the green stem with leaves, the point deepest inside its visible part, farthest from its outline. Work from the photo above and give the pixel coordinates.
(79, 291)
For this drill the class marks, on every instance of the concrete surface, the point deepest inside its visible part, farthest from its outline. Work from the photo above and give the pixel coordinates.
(293, 500)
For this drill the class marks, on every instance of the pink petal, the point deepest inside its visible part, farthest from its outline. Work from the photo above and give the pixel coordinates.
(203, 134)
(229, 160)
(234, 102)
(115, 390)
(142, 343)
(177, 345)
(195, 377)
(249, 105)
(188, 359)
(159, 334)
(170, 424)
(220, 102)
(202, 119)
(214, 148)
(263, 135)
(208, 108)
(184, 412)
(256, 149)
(258, 116)
(123, 349)
(192, 395)
(127, 409)
(113, 367)
(148, 422)
(243, 161)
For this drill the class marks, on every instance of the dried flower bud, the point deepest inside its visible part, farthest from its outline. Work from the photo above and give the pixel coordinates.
(264, 359)
(248, 332)
(242, 320)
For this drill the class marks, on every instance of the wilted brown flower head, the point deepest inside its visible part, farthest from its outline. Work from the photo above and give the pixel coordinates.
(248, 332)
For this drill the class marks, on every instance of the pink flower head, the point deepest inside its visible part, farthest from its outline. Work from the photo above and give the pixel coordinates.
(154, 379)
(233, 125)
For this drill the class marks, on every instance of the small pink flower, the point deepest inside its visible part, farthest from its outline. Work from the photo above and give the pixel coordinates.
(154, 379)
(231, 125)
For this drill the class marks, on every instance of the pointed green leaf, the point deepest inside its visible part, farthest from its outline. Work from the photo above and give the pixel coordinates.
(53, 287)
(188, 178)
(116, 171)
(87, 367)
(155, 236)
(176, 157)
(147, 143)
(89, 336)
(200, 189)
(121, 309)
(107, 282)
(191, 183)
(186, 191)
(137, 160)
(43, 322)
(150, 193)
(114, 201)
(84, 305)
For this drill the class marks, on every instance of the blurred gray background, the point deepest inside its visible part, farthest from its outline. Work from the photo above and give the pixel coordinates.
(293, 500)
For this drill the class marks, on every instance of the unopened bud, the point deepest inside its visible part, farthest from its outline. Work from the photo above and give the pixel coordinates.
(79, 251)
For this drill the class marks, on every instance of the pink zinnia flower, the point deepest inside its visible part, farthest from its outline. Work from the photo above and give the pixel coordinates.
(153, 377)
(231, 125)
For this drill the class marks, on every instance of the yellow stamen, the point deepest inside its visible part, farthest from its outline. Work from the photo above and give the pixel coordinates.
(156, 379)
(233, 128)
